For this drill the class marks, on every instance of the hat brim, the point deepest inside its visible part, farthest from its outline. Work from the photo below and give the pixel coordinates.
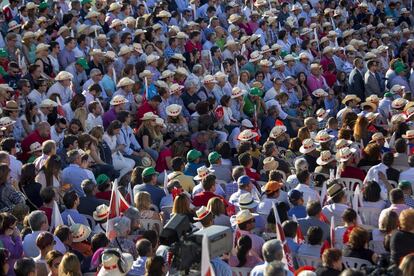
(201, 218)
(85, 235)
(199, 178)
(253, 204)
(322, 163)
(95, 217)
(304, 151)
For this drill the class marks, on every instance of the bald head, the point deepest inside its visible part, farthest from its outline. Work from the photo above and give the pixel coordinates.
(272, 251)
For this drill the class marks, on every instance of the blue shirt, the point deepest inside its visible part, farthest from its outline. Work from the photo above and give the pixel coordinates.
(191, 168)
(138, 267)
(298, 211)
(156, 192)
(74, 175)
(220, 267)
(75, 215)
(293, 246)
(127, 138)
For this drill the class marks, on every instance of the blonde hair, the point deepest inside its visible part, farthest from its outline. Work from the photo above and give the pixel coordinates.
(407, 220)
(146, 125)
(81, 114)
(70, 265)
(407, 265)
(303, 133)
(216, 206)
(142, 201)
(181, 205)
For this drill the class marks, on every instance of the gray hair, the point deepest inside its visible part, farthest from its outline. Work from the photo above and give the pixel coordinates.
(36, 220)
(272, 251)
(275, 268)
(88, 186)
(122, 226)
(133, 214)
(237, 172)
(191, 82)
(72, 155)
(4, 157)
(48, 146)
(299, 163)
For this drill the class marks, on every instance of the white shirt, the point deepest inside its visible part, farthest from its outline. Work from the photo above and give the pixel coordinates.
(335, 210)
(31, 250)
(93, 121)
(408, 175)
(266, 204)
(64, 92)
(15, 168)
(372, 175)
(308, 193)
(57, 137)
(36, 97)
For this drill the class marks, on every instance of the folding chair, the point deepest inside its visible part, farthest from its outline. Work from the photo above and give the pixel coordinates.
(369, 215)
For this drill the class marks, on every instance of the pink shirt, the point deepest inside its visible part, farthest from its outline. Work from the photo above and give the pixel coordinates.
(251, 261)
(314, 82)
(257, 242)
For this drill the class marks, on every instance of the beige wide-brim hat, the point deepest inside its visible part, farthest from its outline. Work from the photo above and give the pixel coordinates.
(29, 34)
(118, 99)
(246, 201)
(345, 154)
(398, 118)
(371, 116)
(36, 146)
(149, 116)
(6, 122)
(125, 82)
(307, 146)
(42, 47)
(114, 6)
(63, 75)
(62, 29)
(255, 56)
(318, 93)
(175, 87)
(13, 25)
(237, 92)
(234, 18)
(163, 13)
(101, 212)
(342, 143)
(351, 97)
(399, 103)
(230, 42)
(145, 74)
(116, 22)
(92, 14)
(11, 106)
(152, 58)
(247, 135)
(209, 79)
(173, 110)
(277, 131)
(269, 163)
(321, 114)
(125, 50)
(178, 57)
(202, 173)
(201, 213)
(182, 71)
(370, 104)
(409, 134)
(323, 137)
(80, 232)
(243, 216)
(326, 157)
(48, 103)
(110, 264)
(166, 74)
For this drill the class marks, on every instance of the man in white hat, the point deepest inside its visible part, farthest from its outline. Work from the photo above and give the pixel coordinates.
(117, 105)
(62, 87)
(246, 224)
(125, 86)
(303, 64)
(115, 263)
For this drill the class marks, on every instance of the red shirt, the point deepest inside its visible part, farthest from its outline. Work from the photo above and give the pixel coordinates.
(352, 172)
(144, 108)
(30, 139)
(252, 174)
(190, 46)
(325, 61)
(330, 78)
(48, 211)
(104, 195)
(161, 161)
(201, 199)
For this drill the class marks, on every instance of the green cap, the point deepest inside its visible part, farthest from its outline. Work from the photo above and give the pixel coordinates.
(43, 6)
(148, 171)
(404, 184)
(399, 69)
(213, 157)
(388, 95)
(83, 2)
(83, 62)
(3, 53)
(101, 179)
(193, 155)
(256, 92)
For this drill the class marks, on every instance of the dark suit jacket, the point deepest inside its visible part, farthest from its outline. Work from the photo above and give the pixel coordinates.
(88, 204)
(371, 85)
(356, 84)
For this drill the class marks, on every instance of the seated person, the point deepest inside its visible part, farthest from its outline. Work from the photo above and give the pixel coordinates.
(313, 245)
(357, 246)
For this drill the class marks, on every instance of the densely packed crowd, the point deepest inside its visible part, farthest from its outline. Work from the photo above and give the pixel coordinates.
(288, 123)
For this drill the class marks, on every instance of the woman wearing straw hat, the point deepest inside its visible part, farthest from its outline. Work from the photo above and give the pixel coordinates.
(348, 164)
(29, 46)
(148, 136)
(12, 111)
(42, 59)
(176, 124)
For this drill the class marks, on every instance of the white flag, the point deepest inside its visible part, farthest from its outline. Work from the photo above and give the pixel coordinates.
(56, 218)
(70, 220)
(206, 268)
(166, 182)
(323, 194)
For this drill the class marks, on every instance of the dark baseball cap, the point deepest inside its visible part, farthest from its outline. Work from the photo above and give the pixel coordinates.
(295, 195)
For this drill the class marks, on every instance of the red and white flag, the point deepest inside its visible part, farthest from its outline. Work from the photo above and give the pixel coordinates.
(206, 268)
(117, 206)
(299, 235)
(130, 194)
(166, 182)
(56, 218)
(323, 194)
(287, 255)
(332, 232)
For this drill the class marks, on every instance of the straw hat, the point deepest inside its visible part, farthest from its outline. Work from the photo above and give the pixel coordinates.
(323, 137)
(202, 173)
(276, 47)
(175, 87)
(247, 135)
(13, 25)
(160, 121)
(255, 56)
(202, 213)
(334, 190)
(118, 99)
(279, 63)
(325, 158)
(234, 18)
(244, 215)
(307, 146)
(209, 79)
(345, 154)
(48, 103)
(149, 116)
(399, 103)
(321, 114)
(178, 56)
(350, 97)
(373, 98)
(152, 58)
(181, 35)
(29, 34)
(34, 147)
(166, 74)
(230, 42)
(289, 57)
(370, 104)
(409, 134)
(265, 62)
(156, 26)
(377, 136)
(41, 47)
(11, 106)
(173, 110)
(80, 232)
(125, 82)
(163, 13)
(115, 263)
(371, 116)
(125, 50)
(145, 74)
(114, 6)
(319, 93)
(64, 75)
(244, 38)
(398, 118)
(277, 131)
(269, 163)
(139, 31)
(101, 212)
(246, 201)
(116, 22)
(266, 49)
(342, 143)
(6, 122)
(220, 75)
(237, 92)
(91, 14)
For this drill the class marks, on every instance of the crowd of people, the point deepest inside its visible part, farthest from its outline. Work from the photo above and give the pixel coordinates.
(288, 122)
